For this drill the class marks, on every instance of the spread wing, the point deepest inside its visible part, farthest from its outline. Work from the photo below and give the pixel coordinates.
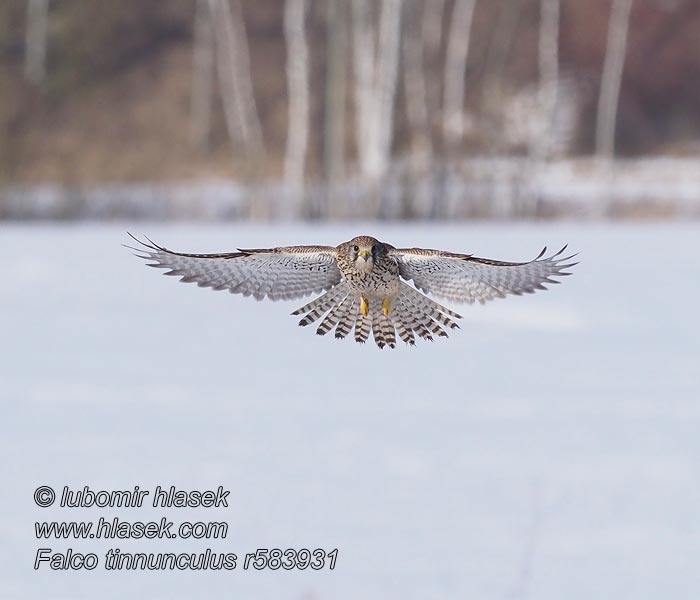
(466, 278)
(281, 273)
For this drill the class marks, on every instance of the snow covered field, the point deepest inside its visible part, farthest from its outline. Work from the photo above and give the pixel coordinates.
(550, 449)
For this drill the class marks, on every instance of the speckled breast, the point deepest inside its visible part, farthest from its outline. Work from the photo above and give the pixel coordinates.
(381, 282)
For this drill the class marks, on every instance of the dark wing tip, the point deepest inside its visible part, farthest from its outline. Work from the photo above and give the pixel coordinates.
(151, 244)
(144, 251)
(557, 256)
(153, 247)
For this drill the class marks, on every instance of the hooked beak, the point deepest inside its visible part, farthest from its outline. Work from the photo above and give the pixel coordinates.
(366, 254)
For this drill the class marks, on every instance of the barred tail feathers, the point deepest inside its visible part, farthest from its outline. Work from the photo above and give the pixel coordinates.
(315, 309)
(362, 327)
(346, 318)
(412, 314)
(383, 329)
(336, 313)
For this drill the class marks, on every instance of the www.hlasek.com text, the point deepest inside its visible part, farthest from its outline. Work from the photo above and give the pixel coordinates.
(116, 528)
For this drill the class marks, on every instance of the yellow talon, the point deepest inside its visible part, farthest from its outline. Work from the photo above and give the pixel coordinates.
(386, 307)
(364, 306)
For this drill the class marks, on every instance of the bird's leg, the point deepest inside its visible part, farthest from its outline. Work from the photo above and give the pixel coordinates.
(364, 306)
(386, 306)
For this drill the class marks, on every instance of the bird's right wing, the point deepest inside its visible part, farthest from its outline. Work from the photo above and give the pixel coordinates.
(282, 273)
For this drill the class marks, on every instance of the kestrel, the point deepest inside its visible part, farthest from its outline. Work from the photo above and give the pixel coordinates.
(364, 283)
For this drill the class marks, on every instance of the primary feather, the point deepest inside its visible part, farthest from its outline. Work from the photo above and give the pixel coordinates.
(364, 283)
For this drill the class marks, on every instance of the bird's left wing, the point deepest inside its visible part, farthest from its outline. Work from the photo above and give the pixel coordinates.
(282, 273)
(466, 278)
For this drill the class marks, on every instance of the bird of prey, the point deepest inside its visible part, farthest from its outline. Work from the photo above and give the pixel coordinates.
(365, 283)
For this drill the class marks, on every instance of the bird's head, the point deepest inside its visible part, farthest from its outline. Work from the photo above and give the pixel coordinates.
(362, 252)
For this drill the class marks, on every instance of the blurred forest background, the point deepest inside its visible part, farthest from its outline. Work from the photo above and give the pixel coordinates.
(349, 108)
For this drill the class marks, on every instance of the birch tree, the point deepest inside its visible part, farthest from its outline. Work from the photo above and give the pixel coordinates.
(543, 118)
(36, 40)
(376, 70)
(548, 55)
(548, 50)
(611, 79)
(453, 123)
(202, 77)
(298, 92)
(235, 82)
(431, 32)
(498, 50)
(414, 83)
(335, 100)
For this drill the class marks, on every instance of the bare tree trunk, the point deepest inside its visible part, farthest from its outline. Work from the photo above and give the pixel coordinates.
(202, 77)
(431, 32)
(245, 79)
(497, 57)
(233, 62)
(387, 71)
(225, 71)
(334, 116)
(549, 74)
(549, 41)
(414, 85)
(375, 84)
(416, 98)
(363, 64)
(455, 67)
(298, 91)
(611, 78)
(36, 40)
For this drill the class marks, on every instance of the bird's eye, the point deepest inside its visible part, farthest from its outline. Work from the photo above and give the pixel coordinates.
(356, 248)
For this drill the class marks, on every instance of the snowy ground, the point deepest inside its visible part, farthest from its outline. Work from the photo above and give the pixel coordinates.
(549, 449)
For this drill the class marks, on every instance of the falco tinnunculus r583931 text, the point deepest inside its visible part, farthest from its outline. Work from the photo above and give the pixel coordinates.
(365, 283)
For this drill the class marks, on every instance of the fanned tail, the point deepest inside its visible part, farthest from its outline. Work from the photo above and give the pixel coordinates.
(315, 309)
(404, 330)
(335, 314)
(414, 312)
(410, 321)
(411, 314)
(362, 327)
(347, 318)
(383, 329)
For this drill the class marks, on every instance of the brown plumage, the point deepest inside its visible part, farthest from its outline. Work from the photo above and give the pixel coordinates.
(364, 283)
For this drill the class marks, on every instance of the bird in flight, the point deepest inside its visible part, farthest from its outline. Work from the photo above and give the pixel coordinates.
(364, 283)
